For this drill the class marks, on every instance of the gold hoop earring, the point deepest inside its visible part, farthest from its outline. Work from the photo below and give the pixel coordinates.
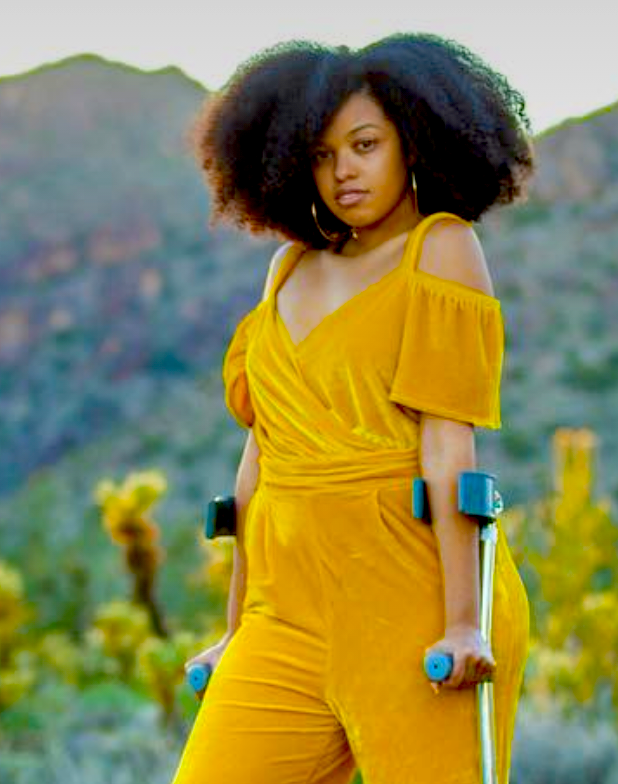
(330, 237)
(415, 189)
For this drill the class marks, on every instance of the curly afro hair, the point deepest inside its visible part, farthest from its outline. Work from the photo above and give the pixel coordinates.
(463, 129)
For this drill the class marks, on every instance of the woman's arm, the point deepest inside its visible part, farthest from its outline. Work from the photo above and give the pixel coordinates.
(246, 482)
(247, 478)
(447, 448)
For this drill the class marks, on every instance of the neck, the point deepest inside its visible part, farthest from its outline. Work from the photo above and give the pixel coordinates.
(403, 218)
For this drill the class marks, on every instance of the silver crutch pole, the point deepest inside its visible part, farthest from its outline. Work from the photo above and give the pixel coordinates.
(477, 497)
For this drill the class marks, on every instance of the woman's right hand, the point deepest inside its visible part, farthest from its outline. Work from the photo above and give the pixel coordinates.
(210, 655)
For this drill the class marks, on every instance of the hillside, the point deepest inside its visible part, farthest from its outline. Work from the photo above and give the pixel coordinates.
(555, 267)
(111, 285)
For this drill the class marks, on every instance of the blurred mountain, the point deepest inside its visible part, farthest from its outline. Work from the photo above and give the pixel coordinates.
(117, 300)
(579, 159)
(112, 287)
(555, 266)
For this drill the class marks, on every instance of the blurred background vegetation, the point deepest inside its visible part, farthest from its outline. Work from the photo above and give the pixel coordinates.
(116, 303)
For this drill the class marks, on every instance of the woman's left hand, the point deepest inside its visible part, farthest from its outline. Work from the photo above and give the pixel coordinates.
(473, 661)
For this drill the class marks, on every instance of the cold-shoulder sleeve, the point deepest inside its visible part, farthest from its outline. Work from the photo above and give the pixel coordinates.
(451, 354)
(237, 396)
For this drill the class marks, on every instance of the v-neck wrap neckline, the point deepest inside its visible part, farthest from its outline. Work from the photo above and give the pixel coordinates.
(409, 339)
(339, 311)
(406, 269)
(288, 264)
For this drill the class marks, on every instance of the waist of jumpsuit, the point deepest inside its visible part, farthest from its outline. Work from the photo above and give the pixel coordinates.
(352, 472)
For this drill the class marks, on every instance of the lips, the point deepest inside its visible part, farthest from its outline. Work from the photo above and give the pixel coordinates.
(349, 198)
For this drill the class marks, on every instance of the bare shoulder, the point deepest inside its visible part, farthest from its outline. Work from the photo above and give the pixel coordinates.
(453, 251)
(275, 264)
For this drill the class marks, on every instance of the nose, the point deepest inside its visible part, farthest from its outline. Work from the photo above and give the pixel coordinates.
(344, 167)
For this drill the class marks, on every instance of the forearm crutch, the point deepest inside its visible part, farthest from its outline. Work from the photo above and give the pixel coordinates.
(220, 521)
(478, 498)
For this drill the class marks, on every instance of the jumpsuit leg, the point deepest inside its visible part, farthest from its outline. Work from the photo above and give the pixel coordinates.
(262, 720)
(389, 611)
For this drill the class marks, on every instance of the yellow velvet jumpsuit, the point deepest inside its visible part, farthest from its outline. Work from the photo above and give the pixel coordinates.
(344, 587)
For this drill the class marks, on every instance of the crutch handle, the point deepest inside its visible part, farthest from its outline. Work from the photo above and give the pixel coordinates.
(438, 666)
(198, 676)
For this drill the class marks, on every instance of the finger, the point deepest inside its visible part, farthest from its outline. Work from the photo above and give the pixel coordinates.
(477, 673)
(473, 672)
(481, 672)
(458, 674)
(489, 671)
(196, 660)
(487, 665)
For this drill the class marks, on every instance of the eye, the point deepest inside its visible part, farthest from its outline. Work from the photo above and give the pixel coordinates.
(366, 144)
(320, 155)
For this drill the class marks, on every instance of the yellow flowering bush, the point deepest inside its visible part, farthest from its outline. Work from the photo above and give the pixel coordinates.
(216, 571)
(124, 510)
(570, 542)
(15, 683)
(59, 655)
(14, 611)
(17, 673)
(161, 666)
(118, 629)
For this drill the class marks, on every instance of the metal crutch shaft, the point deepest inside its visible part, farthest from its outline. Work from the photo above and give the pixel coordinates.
(478, 498)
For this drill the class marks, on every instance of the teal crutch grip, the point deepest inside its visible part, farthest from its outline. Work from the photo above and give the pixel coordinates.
(438, 666)
(198, 676)
(220, 517)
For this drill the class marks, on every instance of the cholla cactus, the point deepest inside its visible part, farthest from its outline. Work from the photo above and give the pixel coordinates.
(161, 666)
(124, 509)
(216, 571)
(574, 471)
(17, 673)
(13, 610)
(14, 683)
(575, 650)
(118, 630)
(57, 653)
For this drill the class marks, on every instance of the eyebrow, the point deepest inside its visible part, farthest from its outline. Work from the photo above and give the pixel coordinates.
(360, 127)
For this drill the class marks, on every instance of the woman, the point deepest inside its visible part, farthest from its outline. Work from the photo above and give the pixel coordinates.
(375, 351)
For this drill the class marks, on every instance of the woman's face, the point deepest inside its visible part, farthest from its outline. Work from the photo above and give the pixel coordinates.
(358, 165)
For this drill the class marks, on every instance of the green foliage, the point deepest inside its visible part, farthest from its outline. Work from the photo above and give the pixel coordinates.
(99, 733)
(53, 525)
(161, 666)
(17, 674)
(592, 374)
(119, 627)
(569, 542)
(549, 750)
(13, 609)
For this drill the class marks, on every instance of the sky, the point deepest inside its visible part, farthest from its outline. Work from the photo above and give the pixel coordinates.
(559, 54)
